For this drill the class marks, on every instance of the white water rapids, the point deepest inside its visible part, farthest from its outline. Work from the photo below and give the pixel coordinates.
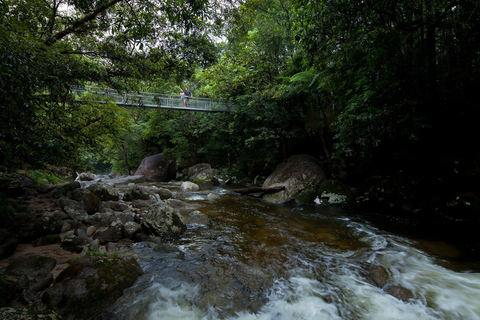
(256, 261)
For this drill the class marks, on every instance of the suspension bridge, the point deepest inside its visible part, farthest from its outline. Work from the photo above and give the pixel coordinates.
(150, 100)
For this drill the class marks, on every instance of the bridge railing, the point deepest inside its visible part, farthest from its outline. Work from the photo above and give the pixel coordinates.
(152, 100)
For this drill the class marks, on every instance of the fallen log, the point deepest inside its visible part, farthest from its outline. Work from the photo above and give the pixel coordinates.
(258, 190)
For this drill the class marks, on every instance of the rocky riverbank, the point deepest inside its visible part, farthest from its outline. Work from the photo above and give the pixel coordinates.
(63, 247)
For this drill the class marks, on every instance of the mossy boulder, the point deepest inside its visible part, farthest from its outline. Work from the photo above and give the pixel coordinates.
(163, 221)
(301, 176)
(334, 192)
(91, 284)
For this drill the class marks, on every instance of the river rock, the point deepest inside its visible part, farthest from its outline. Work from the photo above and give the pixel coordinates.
(195, 169)
(378, 275)
(189, 186)
(301, 176)
(104, 191)
(211, 175)
(117, 205)
(162, 192)
(100, 219)
(112, 234)
(90, 284)
(164, 221)
(176, 203)
(157, 168)
(131, 228)
(136, 193)
(89, 200)
(400, 293)
(196, 218)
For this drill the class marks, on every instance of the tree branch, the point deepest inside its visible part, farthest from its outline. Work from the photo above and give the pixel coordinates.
(78, 23)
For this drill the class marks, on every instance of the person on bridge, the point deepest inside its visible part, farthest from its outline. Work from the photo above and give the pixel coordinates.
(182, 98)
(188, 96)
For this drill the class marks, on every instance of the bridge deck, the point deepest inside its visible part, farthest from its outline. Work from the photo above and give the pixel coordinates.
(152, 100)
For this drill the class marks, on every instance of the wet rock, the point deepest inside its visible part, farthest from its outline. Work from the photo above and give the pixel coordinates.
(197, 218)
(212, 197)
(169, 249)
(378, 275)
(92, 281)
(136, 193)
(399, 292)
(189, 186)
(162, 192)
(163, 221)
(104, 191)
(8, 244)
(301, 176)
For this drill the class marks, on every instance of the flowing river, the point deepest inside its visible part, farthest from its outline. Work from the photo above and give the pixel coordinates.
(256, 260)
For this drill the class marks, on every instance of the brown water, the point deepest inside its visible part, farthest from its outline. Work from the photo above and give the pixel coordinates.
(256, 260)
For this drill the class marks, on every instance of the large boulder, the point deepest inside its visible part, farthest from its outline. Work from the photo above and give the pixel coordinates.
(90, 284)
(157, 168)
(195, 169)
(301, 176)
(163, 221)
(104, 191)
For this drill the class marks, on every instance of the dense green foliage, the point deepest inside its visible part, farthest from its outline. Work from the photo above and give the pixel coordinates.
(48, 46)
(359, 84)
